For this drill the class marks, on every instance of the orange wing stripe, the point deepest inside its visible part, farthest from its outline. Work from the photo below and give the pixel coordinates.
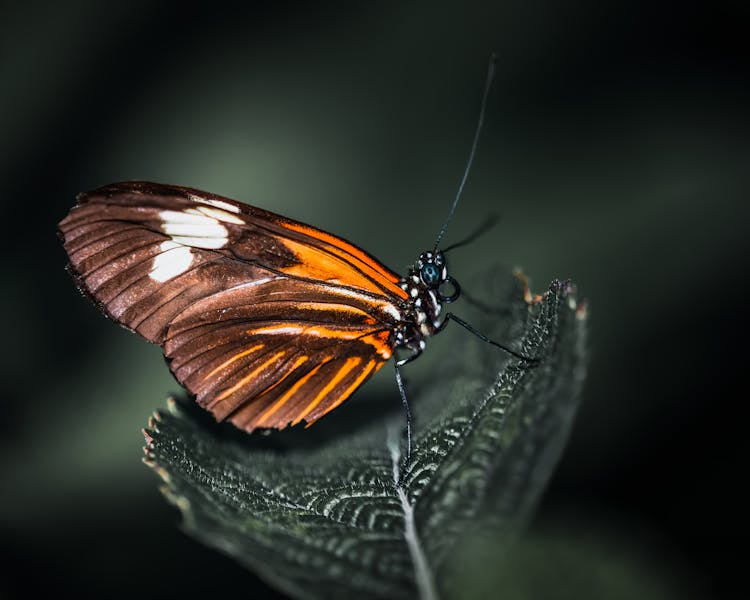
(338, 308)
(318, 263)
(379, 341)
(290, 392)
(315, 330)
(234, 358)
(348, 392)
(340, 248)
(245, 379)
(342, 372)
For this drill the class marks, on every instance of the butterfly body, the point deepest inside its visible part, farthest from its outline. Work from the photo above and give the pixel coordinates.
(267, 321)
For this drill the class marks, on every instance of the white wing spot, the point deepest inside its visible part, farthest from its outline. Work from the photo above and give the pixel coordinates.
(189, 216)
(191, 227)
(217, 203)
(221, 215)
(173, 260)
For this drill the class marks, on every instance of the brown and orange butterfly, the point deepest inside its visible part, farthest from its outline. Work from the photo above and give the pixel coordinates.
(267, 321)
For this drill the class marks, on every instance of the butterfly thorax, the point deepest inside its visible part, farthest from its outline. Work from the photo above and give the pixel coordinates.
(421, 312)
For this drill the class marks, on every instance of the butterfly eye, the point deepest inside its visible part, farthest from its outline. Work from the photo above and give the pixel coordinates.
(430, 274)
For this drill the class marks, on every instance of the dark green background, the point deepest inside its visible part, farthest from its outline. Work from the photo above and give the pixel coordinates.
(615, 150)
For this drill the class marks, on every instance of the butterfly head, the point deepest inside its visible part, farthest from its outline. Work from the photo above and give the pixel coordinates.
(432, 270)
(428, 286)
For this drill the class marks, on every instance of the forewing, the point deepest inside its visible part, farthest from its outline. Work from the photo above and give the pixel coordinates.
(143, 252)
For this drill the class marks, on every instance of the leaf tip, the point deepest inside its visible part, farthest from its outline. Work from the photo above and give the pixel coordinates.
(148, 436)
(171, 406)
(181, 502)
(582, 310)
(528, 297)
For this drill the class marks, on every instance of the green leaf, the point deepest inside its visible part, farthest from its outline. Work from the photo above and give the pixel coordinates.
(345, 516)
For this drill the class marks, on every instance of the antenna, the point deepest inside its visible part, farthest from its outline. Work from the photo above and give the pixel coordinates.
(488, 224)
(487, 85)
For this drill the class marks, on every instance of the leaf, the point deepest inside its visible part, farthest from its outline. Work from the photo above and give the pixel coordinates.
(346, 516)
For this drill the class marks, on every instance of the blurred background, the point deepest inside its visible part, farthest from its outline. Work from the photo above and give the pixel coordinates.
(615, 150)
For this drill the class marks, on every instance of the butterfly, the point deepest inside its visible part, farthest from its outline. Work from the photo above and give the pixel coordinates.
(265, 320)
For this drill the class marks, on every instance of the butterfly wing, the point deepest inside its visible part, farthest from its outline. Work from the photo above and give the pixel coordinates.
(296, 351)
(266, 320)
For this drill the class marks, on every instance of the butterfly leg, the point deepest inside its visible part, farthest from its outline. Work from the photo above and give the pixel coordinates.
(402, 391)
(481, 336)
